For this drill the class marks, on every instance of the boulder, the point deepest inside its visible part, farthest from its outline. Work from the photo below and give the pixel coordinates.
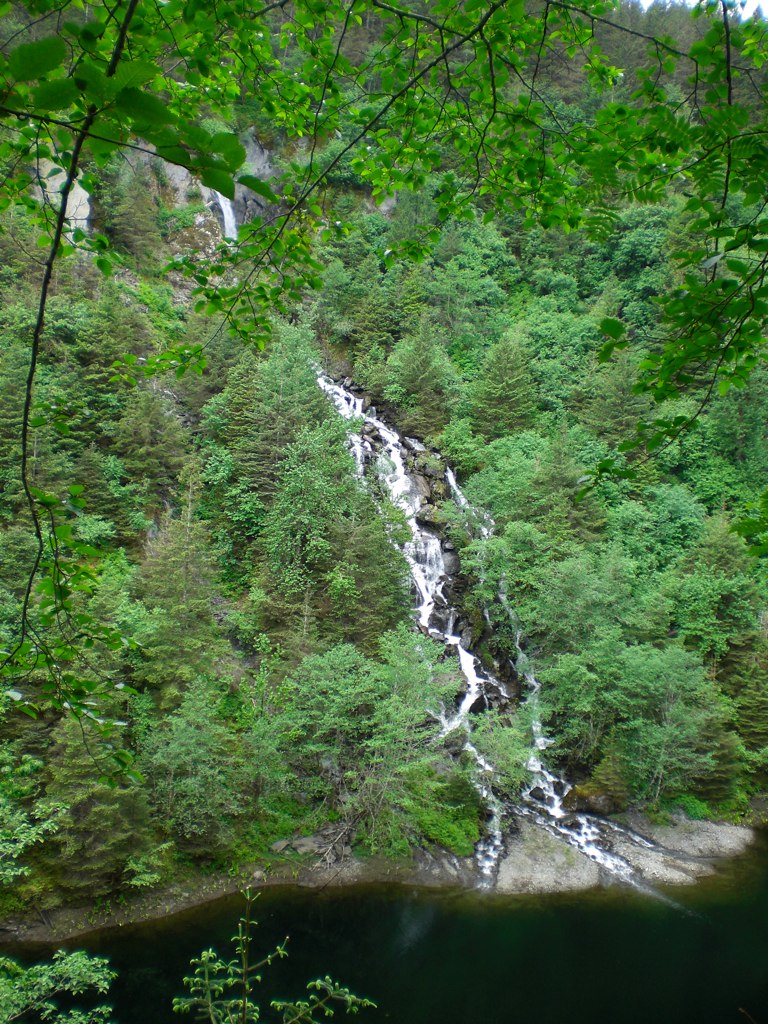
(413, 445)
(467, 638)
(430, 465)
(422, 486)
(537, 861)
(451, 562)
(478, 706)
(590, 799)
(307, 844)
(428, 515)
(454, 741)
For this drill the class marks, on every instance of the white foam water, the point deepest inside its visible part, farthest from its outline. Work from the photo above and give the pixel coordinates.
(228, 215)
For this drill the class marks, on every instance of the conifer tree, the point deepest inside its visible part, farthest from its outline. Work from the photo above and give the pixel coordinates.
(102, 826)
(421, 381)
(176, 584)
(151, 445)
(199, 780)
(613, 408)
(503, 397)
(267, 401)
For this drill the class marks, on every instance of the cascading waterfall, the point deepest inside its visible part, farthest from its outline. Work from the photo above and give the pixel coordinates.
(424, 555)
(545, 795)
(228, 216)
(543, 798)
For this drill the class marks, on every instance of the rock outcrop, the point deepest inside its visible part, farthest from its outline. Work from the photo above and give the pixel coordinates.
(538, 862)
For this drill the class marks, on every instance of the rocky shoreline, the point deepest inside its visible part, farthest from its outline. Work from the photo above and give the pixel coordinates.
(535, 862)
(683, 851)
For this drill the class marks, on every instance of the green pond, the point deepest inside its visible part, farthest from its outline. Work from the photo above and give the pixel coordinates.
(467, 958)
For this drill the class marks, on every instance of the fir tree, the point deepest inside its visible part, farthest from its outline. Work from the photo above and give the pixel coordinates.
(503, 398)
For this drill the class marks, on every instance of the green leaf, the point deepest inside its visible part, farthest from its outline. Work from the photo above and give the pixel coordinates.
(227, 145)
(93, 82)
(258, 186)
(56, 95)
(31, 60)
(175, 154)
(131, 74)
(613, 328)
(143, 107)
(219, 180)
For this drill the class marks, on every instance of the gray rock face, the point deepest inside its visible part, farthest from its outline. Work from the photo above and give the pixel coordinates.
(537, 861)
(258, 163)
(702, 838)
(78, 202)
(662, 867)
(179, 180)
(422, 486)
(428, 515)
(247, 204)
(451, 562)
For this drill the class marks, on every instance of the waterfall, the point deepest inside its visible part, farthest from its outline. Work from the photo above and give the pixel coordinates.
(228, 216)
(424, 555)
(542, 799)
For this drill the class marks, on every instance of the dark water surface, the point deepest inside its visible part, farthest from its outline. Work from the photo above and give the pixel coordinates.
(465, 958)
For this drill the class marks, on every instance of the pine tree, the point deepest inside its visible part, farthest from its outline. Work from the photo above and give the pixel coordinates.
(422, 382)
(13, 371)
(176, 584)
(151, 444)
(613, 409)
(503, 397)
(199, 779)
(267, 401)
(102, 825)
(133, 219)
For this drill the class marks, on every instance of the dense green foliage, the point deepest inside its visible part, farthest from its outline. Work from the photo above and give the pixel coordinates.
(33, 993)
(211, 583)
(639, 601)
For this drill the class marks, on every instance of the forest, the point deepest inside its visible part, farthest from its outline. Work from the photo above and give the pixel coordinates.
(536, 243)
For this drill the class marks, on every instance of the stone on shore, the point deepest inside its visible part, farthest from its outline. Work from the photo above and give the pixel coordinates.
(538, 862)
(701, 838)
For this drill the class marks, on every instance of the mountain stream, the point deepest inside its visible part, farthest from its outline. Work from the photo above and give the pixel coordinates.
(379, 449)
